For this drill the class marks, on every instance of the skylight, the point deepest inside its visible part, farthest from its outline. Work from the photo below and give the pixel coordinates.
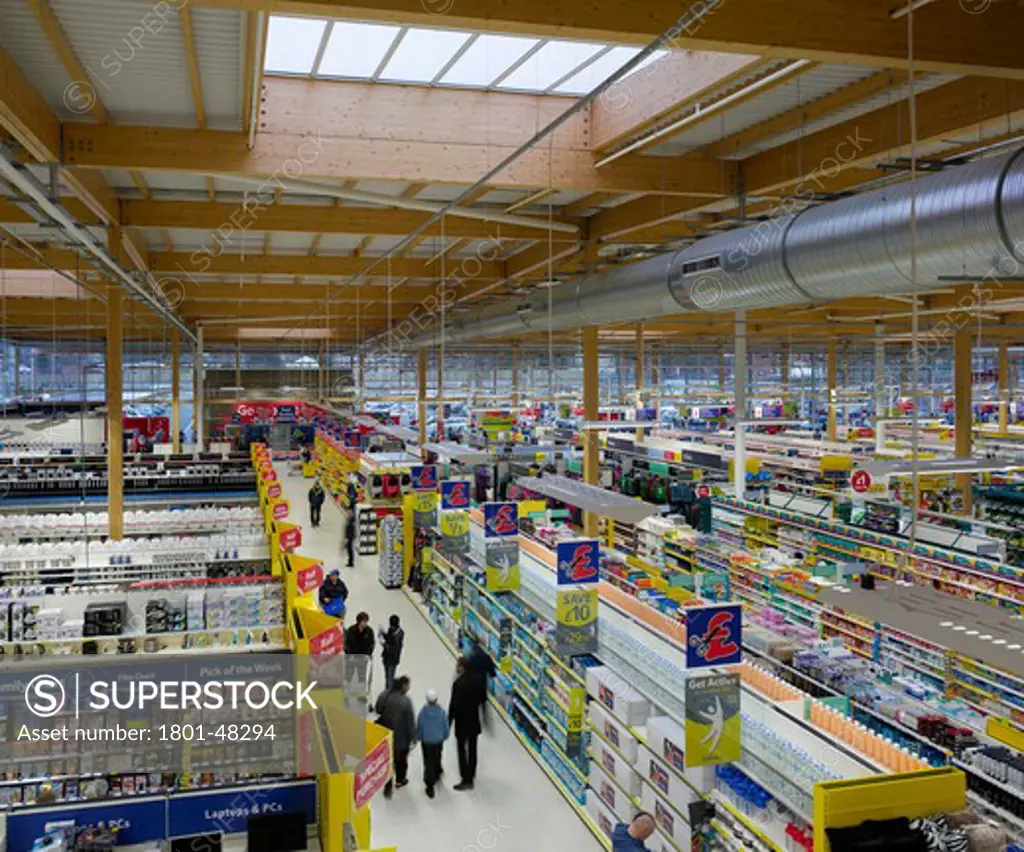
(423, 54)
(596, 72)
(438, 57)
(549, 65)
(356, 50)
(487, 58)
(292, 44)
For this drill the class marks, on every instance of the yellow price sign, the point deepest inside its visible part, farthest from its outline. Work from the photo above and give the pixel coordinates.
(576, 607)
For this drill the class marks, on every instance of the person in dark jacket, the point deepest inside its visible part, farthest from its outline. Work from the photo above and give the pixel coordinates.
(350, 537)
(333, 594)
(316, 503)
(359, 644)
(483, 668)
(432, 729)
(464, 714)
(395, 712)
(631, 837)
(392, 640)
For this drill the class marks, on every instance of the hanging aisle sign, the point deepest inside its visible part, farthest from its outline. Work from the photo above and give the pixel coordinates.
(424, 477)
(501, 520)
(455, 494)
(502, 558)
(424, 510)
(578, 562)
(454, 533)
(576, 601)
(713, 636)
(712, 719)
(576, 617)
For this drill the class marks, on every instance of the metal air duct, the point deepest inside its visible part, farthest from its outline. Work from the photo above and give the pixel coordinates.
(970, 222)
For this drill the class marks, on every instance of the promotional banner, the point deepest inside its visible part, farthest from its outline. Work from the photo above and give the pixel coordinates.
(229, 811)
(279, 508)
(424, 477)
(501, 520)
(576, 614)
(712, 719)
(329, 642)
(137, 821)
(455, 494)
(713, 636)
(502, 562)
(575, 716)
(578, 562)
(372, 774)
(505, 645)
(454, 533)
(424, 510)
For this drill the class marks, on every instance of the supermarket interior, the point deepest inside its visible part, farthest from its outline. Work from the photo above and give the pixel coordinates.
(444, 425)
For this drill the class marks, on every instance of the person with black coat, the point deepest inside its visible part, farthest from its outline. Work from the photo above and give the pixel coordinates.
(395, 712)
(350, 537)
(392, 641)
(316, 503)
(464, 714)
(483, 668)
(359, 642)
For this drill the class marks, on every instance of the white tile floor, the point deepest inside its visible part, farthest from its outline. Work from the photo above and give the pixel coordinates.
(512, 797)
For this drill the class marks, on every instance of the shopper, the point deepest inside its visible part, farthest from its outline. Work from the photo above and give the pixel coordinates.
(432, 729)
(630, 837)
(392, 641)
(464, 714)
(395, 712)
(316, 503)
(333, 594)
(350, 537)
(483, 668)
(359, 649)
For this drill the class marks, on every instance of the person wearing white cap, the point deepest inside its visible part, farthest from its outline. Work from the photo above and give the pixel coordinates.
(432, 730)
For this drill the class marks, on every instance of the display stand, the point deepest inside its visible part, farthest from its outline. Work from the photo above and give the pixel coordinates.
(843, 804)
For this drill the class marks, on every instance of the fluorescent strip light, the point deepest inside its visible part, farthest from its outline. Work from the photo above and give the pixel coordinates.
(711, 109)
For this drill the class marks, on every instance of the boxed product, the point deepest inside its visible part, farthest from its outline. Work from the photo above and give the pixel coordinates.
(668, 820)
(612, 796)
(667, 739)
(615, 766)
(600, 813)
(617, 734)
(612, 691)
(664, 780)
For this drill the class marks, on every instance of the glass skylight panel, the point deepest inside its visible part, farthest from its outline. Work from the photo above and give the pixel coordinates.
(422, 54)
(355, 50)
(597, 71)
(292, 44)
(550, 63)
(487, 58)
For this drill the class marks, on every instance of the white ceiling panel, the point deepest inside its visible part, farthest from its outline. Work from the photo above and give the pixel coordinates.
(136, 59)
(24, 40)
(219, 36)
(356, 50)
(423, 54)
(339, 243)
(292, 44)
(486, 59)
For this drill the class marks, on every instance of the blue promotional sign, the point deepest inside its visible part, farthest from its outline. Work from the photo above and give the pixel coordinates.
(285, 413)
(578, 562)
(501, 519)
(713, 636)
(137, 820)
(455, 494)
(424, 477)
(229, 810)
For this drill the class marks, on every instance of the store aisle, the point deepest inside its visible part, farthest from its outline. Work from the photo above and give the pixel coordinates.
(514, 806)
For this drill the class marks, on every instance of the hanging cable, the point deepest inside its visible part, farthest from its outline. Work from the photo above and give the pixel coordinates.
(915, 309)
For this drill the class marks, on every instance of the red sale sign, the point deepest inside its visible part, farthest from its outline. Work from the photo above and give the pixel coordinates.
(310, 578)
(290, 539)
(328, 643)
(274, 490)
(372, 775)
(280, 509)
(860, 481)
